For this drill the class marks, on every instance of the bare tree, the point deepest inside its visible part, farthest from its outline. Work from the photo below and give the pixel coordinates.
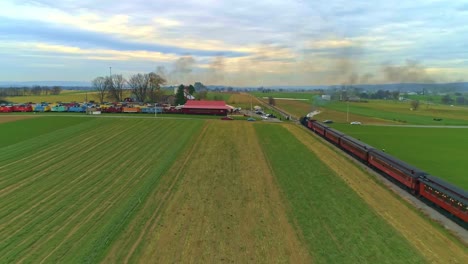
(99, 84)
(36, 90)
(271, 101)
(154, 86)
(56, 90)
(414, 104)
(138, 84)
(117, 88)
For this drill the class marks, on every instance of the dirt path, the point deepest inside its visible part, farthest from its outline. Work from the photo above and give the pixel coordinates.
(227, 207)
(435, 245)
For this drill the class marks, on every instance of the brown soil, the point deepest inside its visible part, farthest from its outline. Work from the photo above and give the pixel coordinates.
(225, 208)
(434, 244)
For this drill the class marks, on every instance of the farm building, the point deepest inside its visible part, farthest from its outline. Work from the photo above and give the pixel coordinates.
(206, 107)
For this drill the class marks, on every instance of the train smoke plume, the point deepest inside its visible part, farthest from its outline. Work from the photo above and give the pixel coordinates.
(183, 68)
(413, 71)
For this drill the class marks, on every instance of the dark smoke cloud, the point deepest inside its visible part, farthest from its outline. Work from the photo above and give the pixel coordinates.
(413, 71)
(365, 79)
(215, 72)
(346, 72)
(182, 70)
(161, 71)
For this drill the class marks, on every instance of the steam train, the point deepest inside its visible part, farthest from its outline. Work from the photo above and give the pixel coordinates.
(437, 192)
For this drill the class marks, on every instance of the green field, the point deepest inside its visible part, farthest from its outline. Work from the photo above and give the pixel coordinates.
(373, 111)
(439, 151)
(14, 132)
(64, 96)
(67, 194)
(400, 112)
(86, 189)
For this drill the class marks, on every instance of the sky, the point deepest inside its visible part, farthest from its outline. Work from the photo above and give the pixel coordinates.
(238, 43)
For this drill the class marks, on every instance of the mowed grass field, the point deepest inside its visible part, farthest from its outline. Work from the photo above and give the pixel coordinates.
(439, 151)
(140, 190)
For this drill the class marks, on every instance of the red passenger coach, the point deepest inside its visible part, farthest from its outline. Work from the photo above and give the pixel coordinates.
(445, 195)
(355, 147)
(395, 168)
(441, 194)
(318, 128)
(333, 135)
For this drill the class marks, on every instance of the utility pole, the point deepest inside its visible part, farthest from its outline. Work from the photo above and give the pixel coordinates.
(347, 111)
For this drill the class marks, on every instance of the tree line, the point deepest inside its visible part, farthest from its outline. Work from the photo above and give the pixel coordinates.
(144, 87)
(28, 91)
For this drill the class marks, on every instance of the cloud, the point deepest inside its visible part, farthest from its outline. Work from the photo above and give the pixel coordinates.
(28, 31)
(238, 42)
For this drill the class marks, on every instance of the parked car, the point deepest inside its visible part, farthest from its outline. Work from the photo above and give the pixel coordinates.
(327, 121)
(356, 123)
(251, 119)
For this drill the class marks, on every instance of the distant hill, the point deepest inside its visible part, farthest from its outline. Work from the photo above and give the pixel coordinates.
(46, 83)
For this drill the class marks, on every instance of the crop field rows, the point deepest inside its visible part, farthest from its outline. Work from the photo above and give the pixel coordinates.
(136, 190)
(73, 195)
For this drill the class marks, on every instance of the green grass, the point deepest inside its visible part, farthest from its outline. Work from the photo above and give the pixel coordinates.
(338, 226)
(439, 151)
(66, 194)
(14, 132)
